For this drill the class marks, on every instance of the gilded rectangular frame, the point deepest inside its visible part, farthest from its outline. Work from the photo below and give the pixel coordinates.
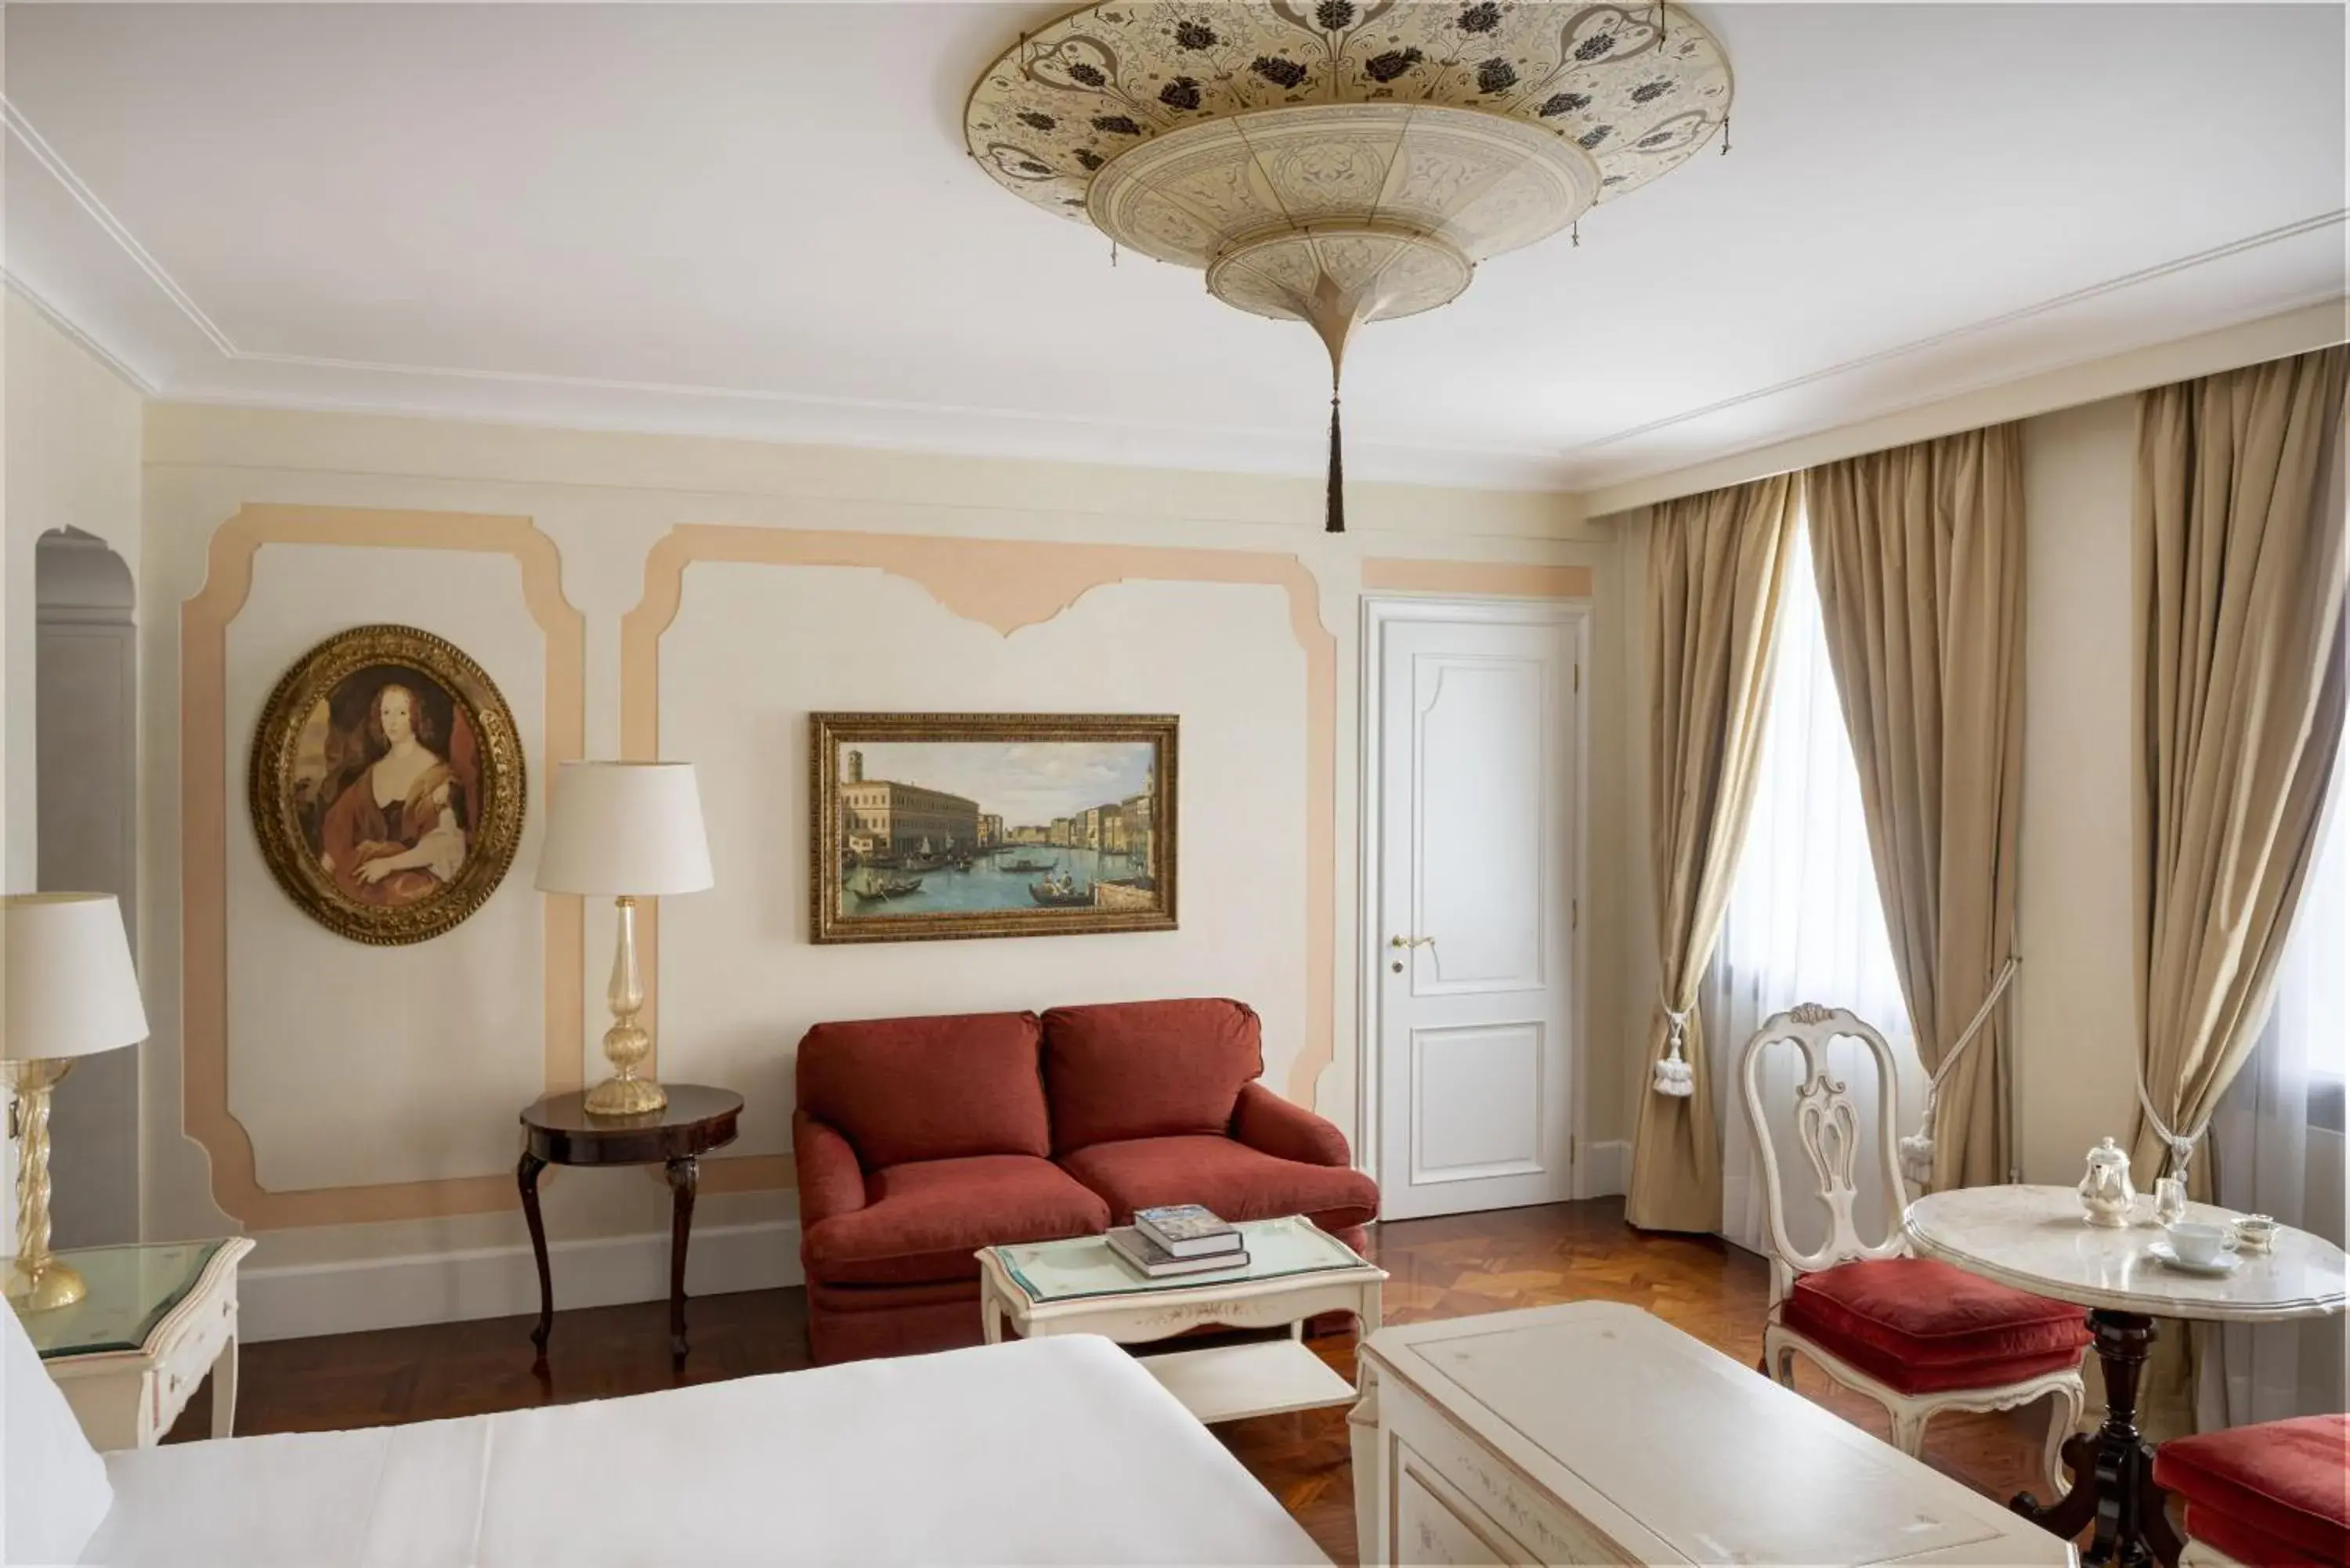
(827, 732)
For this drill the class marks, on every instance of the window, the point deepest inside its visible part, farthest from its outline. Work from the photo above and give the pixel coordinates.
(2278, 1145)
(1804, 925)
(2311, 1015)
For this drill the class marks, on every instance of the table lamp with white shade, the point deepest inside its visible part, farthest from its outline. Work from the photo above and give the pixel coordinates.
(629, 831)
(71, 991)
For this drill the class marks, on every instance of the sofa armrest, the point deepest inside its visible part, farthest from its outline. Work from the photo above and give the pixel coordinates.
(831, 1182)
(1270, 1124)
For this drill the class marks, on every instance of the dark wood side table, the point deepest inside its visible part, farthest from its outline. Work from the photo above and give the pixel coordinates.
(558, 1130)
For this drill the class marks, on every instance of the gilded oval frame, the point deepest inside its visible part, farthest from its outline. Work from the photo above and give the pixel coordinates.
(277, 808)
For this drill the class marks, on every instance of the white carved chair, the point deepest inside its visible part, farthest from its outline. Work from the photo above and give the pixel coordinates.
(1917, 1336)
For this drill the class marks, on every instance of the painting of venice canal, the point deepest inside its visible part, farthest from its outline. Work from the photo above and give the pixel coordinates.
(949, 837)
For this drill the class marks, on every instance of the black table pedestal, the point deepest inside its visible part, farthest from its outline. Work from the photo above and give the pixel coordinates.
(2113, 1467)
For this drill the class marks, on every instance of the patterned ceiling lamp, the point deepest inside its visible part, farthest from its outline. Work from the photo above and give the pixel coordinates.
(1349, 161)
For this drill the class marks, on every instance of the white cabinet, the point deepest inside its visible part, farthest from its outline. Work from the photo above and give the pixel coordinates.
(1596, 1433)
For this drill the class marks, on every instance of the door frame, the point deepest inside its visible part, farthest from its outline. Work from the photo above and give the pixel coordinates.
(1379, 611)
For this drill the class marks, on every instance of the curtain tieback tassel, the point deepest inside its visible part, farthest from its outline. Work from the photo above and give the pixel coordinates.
(1673, 1076)
(1917, 1149)
(2180, 1145)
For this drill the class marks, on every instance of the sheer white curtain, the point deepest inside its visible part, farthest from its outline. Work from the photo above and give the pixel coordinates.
(1804, 925)
(2277, 1139)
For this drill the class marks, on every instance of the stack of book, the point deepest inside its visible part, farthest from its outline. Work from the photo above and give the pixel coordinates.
(1179, 1238)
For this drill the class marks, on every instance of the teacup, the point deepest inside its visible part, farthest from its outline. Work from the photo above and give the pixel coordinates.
(2196, 1243)
(2255, 1232)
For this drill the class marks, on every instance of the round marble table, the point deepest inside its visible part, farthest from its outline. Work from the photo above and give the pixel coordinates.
(2035, 1238)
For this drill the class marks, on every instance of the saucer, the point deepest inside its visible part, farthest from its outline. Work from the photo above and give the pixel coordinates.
(2226, 1264)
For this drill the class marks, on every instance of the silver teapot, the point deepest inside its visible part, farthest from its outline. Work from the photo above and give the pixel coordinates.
(2107, 1195)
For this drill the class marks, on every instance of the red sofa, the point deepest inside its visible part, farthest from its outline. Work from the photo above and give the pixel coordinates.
(919, 1140)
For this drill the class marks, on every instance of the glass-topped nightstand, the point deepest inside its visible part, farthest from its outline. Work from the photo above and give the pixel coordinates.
(130, 1353)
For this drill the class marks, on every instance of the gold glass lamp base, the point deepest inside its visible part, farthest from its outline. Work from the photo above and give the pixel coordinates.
(627, 1092)
(36, 1279)
(43, 1288)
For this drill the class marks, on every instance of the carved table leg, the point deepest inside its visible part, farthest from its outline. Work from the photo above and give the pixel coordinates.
(225, 1390)
(1363, 1433)
(684, 1175)
(991, 1315)
(527, 1178)
(2113, 1468)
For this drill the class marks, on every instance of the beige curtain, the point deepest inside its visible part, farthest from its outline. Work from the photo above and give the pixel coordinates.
(1919, 555)
(1717, 564)
(2240, 566)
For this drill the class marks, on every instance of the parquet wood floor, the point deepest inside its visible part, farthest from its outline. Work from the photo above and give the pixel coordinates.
(1449, 1267)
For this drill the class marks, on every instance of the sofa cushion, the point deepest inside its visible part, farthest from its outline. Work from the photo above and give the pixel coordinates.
(905, 1089)
(1236, 1181)
(2286, 1482)
(1146, 1069)
(1922, 1326)
(922, 1221)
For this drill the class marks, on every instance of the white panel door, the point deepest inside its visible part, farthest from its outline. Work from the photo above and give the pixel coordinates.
(1477, 773)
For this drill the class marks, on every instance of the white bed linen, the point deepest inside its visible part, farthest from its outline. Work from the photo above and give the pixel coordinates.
(1057, 1450)
(53, 1489)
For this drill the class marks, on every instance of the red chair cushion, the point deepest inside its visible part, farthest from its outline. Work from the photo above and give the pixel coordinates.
(1146, 1069)
(2285, 1482)
(1236, 1181)
(906, 1089)
(921, 1222)
(1922, 1326)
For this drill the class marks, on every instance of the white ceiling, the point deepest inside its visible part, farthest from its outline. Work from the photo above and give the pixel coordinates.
(759, 219)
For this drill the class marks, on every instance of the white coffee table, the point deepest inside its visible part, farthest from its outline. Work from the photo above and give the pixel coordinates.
(1295, 1270)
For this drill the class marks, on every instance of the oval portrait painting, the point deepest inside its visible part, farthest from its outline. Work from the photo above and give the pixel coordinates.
(386, 784)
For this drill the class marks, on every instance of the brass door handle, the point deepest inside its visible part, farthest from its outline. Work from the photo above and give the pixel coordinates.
(1411, 942)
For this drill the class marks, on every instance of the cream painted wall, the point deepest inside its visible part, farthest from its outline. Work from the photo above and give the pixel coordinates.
(2076, 992)
(1642, 969)
(606, 498)
(737, 986)
(73, 460)
(317, 1022)
(741, 984)
(7, 1148)
(71, 434)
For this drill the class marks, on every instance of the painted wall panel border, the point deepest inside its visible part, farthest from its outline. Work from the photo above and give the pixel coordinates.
(1005, 584)
(204, 806)
(1494, 579)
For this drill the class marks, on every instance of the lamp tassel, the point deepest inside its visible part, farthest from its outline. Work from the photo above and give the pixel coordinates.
(1334, 518)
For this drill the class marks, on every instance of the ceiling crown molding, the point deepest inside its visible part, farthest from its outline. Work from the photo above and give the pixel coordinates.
(1634, 480)
(1975, 328)
(80, 336)
(88, 199)
(2253, 340)
(28, 136)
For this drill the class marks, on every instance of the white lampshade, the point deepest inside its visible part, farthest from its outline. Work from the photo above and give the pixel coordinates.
(71, 988)
(625, 828)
